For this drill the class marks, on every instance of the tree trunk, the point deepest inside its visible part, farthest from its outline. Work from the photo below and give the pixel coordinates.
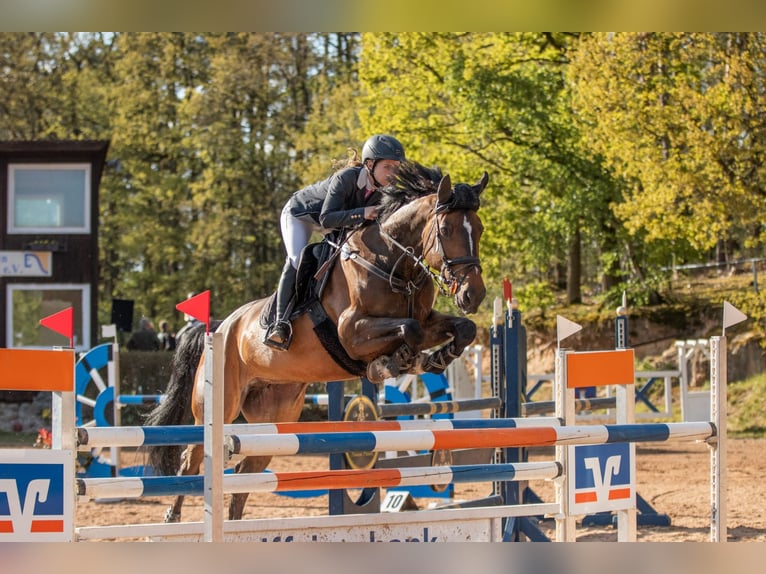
(574, 268)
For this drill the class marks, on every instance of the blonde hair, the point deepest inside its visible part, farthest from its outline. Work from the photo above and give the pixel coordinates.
(351, 161)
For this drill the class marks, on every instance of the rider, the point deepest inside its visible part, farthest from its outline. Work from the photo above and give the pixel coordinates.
(345, 199)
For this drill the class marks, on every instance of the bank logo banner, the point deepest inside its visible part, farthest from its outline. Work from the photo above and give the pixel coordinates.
(36, 500)
(604, 478)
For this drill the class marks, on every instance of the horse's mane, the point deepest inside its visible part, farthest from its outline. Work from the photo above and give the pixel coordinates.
(413, 181)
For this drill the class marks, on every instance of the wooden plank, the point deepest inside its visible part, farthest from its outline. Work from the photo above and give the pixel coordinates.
(600, 368)
(36, 370)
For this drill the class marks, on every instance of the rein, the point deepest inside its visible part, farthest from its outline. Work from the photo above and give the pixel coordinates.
(448, 281)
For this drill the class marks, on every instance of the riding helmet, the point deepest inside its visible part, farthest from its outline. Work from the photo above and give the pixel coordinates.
(382, 147)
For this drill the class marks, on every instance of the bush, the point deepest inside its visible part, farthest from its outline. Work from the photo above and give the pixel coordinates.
(142, 373)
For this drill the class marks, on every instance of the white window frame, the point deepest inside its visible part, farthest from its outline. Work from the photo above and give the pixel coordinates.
(13, 229)
(11, 288)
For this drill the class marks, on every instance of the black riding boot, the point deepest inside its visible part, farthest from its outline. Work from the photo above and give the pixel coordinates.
(280, 333)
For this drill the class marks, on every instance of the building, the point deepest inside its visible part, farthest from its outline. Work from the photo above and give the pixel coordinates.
(49, 194)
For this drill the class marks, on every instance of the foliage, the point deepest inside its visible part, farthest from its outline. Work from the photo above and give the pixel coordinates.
(501, 103)
(610, 156)
(747, 405)
(678, 118)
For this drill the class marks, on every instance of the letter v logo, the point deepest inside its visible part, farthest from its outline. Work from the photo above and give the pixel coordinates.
(22, 515)
(602, 483)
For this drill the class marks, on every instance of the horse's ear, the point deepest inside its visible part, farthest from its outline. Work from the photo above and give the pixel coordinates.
(444, 193)
(482, 182)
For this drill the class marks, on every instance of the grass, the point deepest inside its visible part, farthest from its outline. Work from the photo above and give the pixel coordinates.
(746, 412)
(17, 439)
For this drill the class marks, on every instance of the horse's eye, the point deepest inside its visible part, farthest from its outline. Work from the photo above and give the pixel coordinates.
(445, 229)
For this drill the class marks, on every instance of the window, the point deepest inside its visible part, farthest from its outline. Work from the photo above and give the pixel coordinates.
(27, 303)
(49, 198)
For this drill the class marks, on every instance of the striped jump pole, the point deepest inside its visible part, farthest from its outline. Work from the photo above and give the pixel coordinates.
(437, 407)
(140, 399)
(546, 407)
(377, 441)
(136, 487)
(92, 437)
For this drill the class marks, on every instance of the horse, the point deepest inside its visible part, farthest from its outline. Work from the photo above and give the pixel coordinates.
(372, 313)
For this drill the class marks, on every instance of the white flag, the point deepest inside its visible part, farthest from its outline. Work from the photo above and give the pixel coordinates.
(731, 315)
(565, 327)
(108, 331)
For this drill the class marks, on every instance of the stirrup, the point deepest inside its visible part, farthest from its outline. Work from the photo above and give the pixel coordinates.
(279, 335)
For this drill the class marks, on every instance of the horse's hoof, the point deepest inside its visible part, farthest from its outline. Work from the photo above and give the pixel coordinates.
(172, 517)
(381, 369)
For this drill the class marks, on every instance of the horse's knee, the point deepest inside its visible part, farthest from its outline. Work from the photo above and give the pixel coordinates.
(412, 333)
(465, 333)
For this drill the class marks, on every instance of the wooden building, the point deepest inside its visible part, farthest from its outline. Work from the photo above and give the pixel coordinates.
(49, 239)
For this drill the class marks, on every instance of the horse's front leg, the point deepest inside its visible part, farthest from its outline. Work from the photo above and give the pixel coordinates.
(451, 334)
(388, 345)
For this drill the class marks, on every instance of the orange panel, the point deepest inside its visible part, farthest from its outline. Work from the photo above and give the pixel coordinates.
(36, 370)
(599, 368)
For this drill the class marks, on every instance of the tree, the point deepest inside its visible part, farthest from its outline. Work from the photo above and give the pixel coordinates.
(498, 102)
(679, 118)
(245, 119)
(147, 193)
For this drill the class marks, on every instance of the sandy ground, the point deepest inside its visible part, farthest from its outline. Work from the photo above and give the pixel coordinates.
(672, 477)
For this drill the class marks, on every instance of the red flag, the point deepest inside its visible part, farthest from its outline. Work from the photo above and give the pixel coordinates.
(198, 307)
(507, 290)
(61, 322)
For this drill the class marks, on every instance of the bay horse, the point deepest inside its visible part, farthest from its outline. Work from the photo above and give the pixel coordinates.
(376, 303)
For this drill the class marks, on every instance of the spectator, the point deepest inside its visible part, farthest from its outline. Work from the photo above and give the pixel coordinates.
(145, 339)
(166, 337)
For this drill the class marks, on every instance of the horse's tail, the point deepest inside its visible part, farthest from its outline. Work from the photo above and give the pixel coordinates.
(175, 408)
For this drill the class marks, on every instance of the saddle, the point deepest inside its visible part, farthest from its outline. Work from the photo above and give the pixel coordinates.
(314, 267)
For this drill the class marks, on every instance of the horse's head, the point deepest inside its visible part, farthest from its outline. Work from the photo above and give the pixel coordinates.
(458, 231)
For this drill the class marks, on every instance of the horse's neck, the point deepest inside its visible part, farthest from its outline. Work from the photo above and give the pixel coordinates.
(409, 224)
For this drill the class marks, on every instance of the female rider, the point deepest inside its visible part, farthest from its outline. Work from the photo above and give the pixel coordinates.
(345, 199)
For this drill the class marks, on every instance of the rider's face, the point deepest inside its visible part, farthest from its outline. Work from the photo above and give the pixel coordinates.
(385, 171)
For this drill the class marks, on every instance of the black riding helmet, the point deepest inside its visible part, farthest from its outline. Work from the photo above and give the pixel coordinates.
(380, 147)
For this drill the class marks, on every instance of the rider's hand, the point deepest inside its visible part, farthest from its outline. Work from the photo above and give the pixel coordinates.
(371, 211)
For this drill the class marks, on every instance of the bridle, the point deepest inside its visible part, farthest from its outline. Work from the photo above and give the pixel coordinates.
(450, 280)
(453, 273)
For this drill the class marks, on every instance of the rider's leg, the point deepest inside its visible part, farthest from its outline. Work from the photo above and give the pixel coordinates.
(296, 234)
(279, 333)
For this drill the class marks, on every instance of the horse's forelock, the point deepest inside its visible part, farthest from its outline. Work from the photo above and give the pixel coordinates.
(464, 197)
(413, 181)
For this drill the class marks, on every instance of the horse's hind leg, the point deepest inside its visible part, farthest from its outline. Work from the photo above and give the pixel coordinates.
(266, 402)
(250, 464)
(190, 464)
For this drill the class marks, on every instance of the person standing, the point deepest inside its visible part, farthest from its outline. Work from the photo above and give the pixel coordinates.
(145, 339)
(166, 337)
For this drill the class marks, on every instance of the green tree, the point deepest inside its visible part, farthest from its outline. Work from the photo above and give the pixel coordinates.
(245, 118)
(679, 120)
(499, 102)
(147, 190)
